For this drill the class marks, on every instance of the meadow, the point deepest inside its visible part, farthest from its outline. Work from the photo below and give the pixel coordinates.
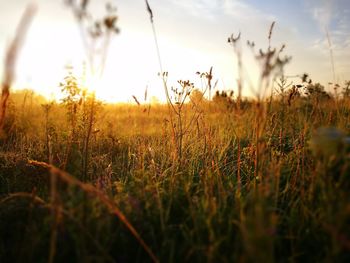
(197, 179)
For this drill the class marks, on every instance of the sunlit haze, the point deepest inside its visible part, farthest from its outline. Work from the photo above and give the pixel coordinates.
(192, 37)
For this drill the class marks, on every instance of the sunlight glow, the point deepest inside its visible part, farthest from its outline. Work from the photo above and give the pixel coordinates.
(188, 43)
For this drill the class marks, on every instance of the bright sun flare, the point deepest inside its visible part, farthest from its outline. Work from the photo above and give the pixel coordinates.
(186, 46)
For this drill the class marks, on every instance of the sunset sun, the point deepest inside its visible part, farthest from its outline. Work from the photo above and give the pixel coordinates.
(188, 43)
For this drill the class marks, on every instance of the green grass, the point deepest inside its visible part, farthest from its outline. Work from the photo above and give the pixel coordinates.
(216, 204)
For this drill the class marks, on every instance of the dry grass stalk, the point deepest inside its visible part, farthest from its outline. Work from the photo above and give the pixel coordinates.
(136, 100)
(90, 189)
(149, 10)
(35, 199)
(40, 202)
(163, 74)
(270, 32)
(11, 59)
(234, 41)
(54, 209)
(330, 46)
(55, 216)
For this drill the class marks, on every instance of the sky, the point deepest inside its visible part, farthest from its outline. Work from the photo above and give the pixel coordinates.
(192, 36)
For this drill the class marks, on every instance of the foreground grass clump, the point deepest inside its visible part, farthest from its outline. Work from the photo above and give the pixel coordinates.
(230, 197)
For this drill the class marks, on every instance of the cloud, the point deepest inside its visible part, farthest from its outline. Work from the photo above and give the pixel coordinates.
(199, 8)
(322, 12)
(210, 9)
(332, 16)
(243, 11)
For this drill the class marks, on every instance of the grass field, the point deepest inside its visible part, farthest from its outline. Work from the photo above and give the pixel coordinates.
(234, 195)
(230, 179)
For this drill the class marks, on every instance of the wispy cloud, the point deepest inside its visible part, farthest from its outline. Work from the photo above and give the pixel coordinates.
(210, 9)
(199, 8)
(332, 18)
(322, 11)
(243, 11)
